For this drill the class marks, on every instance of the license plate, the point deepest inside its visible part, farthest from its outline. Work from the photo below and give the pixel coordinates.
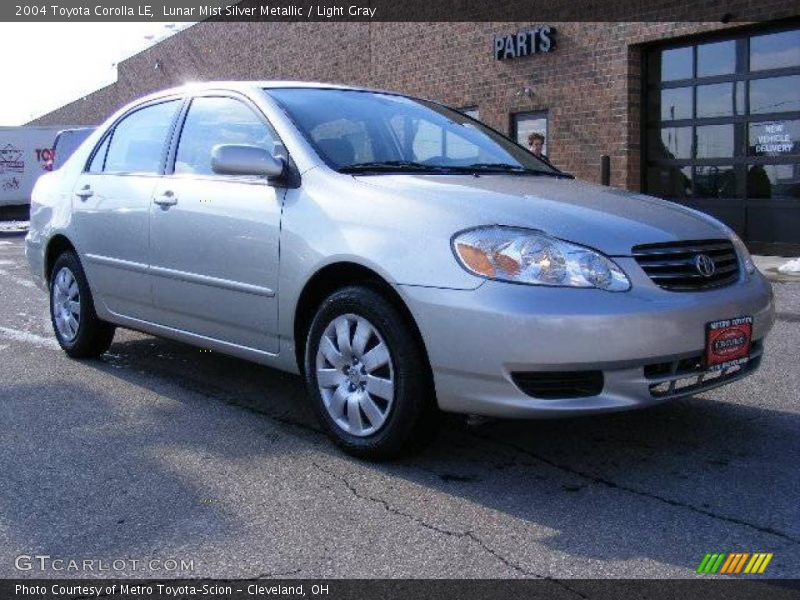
(728, 342)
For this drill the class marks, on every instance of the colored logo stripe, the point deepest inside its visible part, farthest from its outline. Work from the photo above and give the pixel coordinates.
(710, 563)
(733, 562)
(758, 563)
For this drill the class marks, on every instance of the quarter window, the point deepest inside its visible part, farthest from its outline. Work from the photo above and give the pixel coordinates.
(138, 142)
(217, 120)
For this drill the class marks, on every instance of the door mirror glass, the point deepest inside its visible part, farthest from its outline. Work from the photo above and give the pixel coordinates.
(243, 159)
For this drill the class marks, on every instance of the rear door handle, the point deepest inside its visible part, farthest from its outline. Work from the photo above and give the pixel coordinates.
(168, 199)
(84, 193)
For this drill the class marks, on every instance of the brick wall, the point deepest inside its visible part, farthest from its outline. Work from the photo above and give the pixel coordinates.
(591, 84)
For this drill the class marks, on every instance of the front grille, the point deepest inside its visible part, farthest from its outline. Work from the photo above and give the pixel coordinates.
(671, 265)
(558, 385)
(687, 375)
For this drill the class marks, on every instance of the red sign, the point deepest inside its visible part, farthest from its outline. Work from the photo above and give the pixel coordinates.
(728, 342)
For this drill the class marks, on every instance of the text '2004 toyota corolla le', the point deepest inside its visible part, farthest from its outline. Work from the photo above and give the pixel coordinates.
(404, 258)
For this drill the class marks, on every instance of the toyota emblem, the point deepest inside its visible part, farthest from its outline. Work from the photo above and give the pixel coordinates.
(705, 265)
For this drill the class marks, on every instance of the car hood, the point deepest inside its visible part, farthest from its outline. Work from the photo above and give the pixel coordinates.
(608, 219)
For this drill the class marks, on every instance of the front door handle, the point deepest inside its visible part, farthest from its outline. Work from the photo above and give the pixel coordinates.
(167, 199)
(85, 192)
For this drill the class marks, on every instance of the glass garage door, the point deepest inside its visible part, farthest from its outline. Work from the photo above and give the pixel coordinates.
(722, 131)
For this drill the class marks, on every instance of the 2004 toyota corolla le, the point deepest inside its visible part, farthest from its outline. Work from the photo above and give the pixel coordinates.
(403, 257)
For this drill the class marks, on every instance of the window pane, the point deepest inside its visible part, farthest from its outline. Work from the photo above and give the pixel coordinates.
(775, 138)
(777, 94)
(213, 121)
(139, 139)
(715, 182)
(740, 97)
(528, 124)
(676, 104)
(716, 59)
(674, 142)
(774, 181)
(676, 64)
(669, 182)
(775, 50)
(715, 100)
(96, 165)
(715, 141)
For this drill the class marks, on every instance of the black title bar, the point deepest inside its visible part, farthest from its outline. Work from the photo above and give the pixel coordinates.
(392, 10)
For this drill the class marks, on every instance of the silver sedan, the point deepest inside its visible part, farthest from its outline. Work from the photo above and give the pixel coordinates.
(403, 257)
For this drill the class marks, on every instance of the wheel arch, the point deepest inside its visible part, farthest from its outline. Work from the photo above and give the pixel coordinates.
(336, 276)
(56, 246)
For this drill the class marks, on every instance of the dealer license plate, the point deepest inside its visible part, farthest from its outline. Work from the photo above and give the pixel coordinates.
(728, 342)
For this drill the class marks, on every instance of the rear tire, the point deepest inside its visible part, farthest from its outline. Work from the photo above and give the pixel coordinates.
(367, 376)
(80, 333)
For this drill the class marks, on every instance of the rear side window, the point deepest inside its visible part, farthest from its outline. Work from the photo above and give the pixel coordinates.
(216, 120)
(138, 141)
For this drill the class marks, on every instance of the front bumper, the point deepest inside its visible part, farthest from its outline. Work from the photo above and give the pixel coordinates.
(476, 339)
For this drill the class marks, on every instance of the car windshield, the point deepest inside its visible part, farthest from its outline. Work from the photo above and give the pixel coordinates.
(368, 132)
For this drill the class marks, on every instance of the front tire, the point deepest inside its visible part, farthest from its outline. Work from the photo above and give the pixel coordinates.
(80, 333)
(367, 376)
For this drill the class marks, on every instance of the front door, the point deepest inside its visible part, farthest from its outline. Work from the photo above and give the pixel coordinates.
(214, 238)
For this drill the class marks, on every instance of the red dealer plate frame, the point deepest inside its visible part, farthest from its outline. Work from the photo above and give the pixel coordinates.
(728, 342)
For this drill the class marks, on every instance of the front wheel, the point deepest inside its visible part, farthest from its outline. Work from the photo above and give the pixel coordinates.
(367, 376)
(80, 333)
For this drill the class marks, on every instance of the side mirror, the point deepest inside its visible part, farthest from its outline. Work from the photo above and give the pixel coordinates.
(241, 159)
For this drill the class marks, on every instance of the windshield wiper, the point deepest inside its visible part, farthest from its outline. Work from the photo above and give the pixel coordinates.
(509, 168)
(389, 165)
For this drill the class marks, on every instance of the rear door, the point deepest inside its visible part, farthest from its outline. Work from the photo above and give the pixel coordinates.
(111, 207)
(215, 238)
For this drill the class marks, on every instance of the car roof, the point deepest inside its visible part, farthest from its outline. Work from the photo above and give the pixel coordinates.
(250, 85)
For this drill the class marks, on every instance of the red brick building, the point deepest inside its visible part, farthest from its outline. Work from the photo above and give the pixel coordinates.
(704, 113)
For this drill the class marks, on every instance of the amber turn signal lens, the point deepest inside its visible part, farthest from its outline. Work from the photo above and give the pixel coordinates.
(476, 259)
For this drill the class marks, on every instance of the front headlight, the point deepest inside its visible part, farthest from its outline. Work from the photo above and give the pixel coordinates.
(743, 252)
(527, 256)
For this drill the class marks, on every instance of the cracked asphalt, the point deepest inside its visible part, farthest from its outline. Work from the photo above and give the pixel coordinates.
(161, 451)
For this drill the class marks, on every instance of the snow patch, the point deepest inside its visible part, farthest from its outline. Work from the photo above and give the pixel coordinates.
(28, 338)
(793, 266)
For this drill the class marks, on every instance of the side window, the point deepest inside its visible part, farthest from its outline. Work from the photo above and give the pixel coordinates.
(217, 120)
(137, 143)
(99, 159)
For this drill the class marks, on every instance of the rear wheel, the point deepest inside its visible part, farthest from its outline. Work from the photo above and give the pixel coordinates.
(80, 333)
(367, 376)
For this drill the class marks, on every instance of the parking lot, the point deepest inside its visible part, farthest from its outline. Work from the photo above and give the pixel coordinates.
(162, 451)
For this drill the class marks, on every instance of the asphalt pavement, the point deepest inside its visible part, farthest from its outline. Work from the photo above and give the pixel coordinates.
(161, 451)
